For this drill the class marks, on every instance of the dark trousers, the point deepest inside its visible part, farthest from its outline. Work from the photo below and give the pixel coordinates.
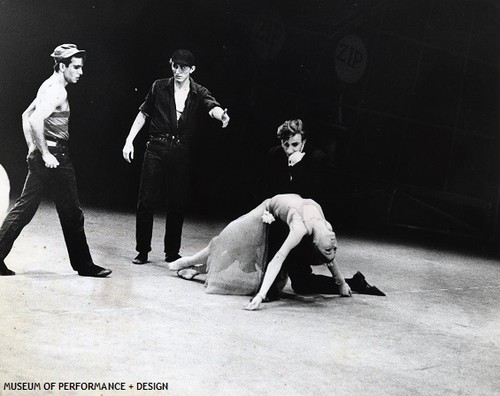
(165, 163)
(61, 184)
(297, 265)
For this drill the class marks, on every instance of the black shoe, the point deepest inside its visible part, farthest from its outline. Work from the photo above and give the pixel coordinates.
(4, 271)
(95, 271)
(358, 284)
(141, 258)
(172, 257)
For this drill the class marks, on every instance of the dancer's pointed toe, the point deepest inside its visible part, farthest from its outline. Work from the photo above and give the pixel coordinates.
(187, 273)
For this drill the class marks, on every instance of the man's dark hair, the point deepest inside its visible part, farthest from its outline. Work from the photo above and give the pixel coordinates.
(290, 128)
(67, 61)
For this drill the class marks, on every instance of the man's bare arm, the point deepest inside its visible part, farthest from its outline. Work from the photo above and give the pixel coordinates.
(28, 134)
(45, 104)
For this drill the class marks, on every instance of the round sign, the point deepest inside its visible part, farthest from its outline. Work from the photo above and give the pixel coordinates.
(350, 59)
(268, 36)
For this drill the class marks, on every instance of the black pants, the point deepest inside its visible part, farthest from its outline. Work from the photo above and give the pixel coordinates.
(297, 265)
(165, 163)
(61, 184)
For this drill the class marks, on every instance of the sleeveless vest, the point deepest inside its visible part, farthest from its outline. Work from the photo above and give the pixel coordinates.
(56, 125)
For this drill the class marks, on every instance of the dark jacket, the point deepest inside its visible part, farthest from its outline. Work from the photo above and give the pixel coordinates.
(309, 177)
(159, 105)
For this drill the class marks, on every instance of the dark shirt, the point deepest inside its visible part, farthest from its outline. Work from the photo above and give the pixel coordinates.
(309, 177)
(159, 105)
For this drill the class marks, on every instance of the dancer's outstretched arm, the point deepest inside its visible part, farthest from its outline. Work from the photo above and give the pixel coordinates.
(344, 289)
(297, 232)
(188, 261)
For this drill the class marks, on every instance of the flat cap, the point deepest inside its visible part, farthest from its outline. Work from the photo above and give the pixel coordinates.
(65, 51)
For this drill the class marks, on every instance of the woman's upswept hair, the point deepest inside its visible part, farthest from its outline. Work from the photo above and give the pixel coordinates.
(290, 128)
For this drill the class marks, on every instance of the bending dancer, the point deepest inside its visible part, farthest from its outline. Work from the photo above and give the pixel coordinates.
(234, 261)
(172, 104)
(294, 166)
(45, 127)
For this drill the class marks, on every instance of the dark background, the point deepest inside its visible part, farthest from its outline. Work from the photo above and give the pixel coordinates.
(402, 95)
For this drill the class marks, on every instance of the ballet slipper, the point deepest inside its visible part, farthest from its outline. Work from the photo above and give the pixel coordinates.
(187, 273)
(178, 264)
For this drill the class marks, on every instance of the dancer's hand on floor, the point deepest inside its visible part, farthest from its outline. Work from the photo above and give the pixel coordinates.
(254, 304)
(345, 290)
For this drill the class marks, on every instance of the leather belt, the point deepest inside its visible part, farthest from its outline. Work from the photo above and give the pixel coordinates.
(55, 143)
(165, 138)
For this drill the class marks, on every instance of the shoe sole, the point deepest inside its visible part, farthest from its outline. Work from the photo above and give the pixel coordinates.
(102, 274)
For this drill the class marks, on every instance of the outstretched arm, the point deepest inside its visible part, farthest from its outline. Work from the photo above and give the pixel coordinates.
(128, 148)
(344, 289)
(297, 232)
(220, 115)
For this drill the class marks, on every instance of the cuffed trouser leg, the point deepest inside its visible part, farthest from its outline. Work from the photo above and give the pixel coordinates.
(23, 210)
(64, 192)
(177, 181)
(151, 179)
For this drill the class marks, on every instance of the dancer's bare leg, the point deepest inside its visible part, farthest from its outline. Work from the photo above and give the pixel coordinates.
(189, 261)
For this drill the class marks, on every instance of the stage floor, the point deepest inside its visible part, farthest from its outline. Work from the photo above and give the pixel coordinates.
(436, 333)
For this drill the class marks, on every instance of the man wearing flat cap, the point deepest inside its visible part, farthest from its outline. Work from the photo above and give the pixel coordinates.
(45, 127)
(171, 105)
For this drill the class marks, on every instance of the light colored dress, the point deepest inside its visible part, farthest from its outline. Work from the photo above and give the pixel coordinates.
(238, 255)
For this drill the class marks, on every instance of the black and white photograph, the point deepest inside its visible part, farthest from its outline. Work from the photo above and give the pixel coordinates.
(249, 197)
